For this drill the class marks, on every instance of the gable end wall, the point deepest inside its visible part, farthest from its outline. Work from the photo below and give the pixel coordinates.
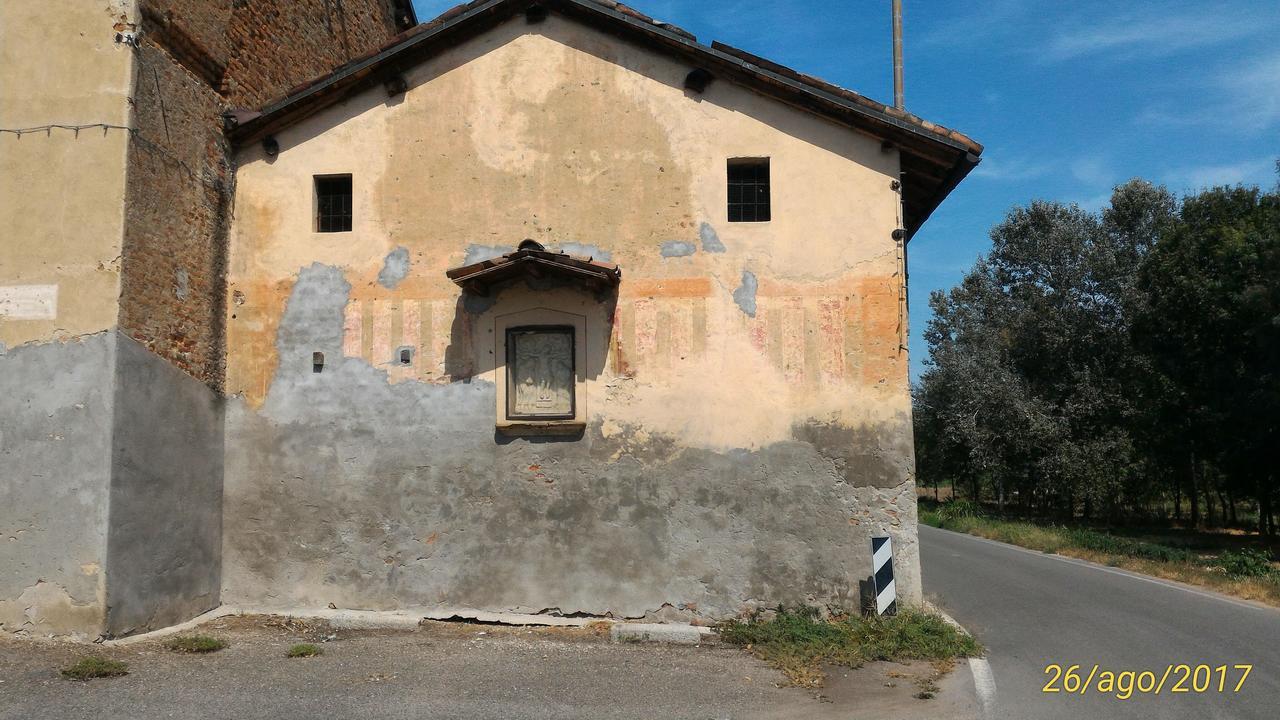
(748, 420)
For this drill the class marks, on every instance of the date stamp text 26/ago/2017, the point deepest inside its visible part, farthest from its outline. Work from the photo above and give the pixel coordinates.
(1124, 684)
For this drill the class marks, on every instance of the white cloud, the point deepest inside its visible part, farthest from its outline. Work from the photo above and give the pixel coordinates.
(1253, 92)
(1248, 172)
(1129, 35)
(1011, 169)
(983, 23)
(1095, 203)
(1092, 171)
(1241, 95)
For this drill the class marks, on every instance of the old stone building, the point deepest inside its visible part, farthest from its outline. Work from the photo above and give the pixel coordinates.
(537, 307)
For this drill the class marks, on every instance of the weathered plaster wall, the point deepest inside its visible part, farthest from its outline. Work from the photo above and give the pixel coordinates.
(61, 204)
(747, 401)
(55, 456)
(164, 543)
(61, 191)
(123, 226)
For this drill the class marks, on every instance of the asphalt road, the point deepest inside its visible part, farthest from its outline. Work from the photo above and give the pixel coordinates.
(1032, 610)
(453, 671)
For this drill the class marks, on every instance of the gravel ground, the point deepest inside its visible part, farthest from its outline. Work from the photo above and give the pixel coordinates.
(448, 670)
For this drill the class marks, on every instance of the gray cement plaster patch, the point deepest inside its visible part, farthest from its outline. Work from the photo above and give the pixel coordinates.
(710, 239)
(480, 253)
(394, 269)
(344, 488)
(586, 250)
(55, 418)
(876, 456)
(678, 248)
(165, 536)
(745, 295)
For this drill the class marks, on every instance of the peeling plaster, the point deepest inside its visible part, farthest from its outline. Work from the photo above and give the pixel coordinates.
(584, 250)
(480, 253)
(395, 269)
(678, 248)
(47, 608)
(745, 295)
(385, 495)
(710, 239)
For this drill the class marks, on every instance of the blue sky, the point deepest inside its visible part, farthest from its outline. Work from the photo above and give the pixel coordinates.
(1070, 98)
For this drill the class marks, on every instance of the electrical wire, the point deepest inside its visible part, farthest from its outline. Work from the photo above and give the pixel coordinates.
(48, 129)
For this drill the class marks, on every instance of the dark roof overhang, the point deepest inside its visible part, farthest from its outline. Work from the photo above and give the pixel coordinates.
(531, 260)
(934, 159)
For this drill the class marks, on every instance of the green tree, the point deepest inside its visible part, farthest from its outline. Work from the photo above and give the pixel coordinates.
(1028, 356)
(1106, 363)
(1209, 325)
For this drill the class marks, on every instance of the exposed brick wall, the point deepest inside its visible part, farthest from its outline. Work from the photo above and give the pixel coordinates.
(277, 44)
(264, 47)
(179, 175)
(197, 59)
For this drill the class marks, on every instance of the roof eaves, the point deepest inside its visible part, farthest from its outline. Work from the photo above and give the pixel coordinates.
(747, 63)
(414, 37)
(959, 172)
(418, 35)
(720, 53)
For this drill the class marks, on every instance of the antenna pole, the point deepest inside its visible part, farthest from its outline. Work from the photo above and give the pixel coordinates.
(898, 100)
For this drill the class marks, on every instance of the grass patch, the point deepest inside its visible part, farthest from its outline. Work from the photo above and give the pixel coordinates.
(95, 667)
(304, 650)
(196, 644)
(1244, 573)
(798, 641)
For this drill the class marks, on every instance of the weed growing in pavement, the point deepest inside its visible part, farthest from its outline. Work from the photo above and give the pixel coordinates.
(196, 644)
(95, 667)
(304, 650)
(798, 641)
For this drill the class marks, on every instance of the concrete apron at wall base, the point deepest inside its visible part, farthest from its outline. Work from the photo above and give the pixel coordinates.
(411, 619)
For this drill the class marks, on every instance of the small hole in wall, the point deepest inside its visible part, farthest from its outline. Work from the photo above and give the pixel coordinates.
(406, 356)
(317, 362)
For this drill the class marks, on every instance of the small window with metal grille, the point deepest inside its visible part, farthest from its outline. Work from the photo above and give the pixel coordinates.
(333, 203)
(749, 190)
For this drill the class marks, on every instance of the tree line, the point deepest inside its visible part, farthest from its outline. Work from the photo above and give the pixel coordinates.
(1119, 365)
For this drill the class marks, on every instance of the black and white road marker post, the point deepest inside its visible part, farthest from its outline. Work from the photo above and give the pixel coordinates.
(882, 569)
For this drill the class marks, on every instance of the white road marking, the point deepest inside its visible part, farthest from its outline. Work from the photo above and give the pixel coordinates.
(1115, 571)
(985, 683)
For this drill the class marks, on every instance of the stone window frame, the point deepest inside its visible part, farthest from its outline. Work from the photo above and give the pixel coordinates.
(530, 426)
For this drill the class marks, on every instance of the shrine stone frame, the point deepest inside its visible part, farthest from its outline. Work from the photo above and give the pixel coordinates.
(559, 423)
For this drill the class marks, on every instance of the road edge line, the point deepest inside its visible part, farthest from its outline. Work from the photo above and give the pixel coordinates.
(984, 681)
